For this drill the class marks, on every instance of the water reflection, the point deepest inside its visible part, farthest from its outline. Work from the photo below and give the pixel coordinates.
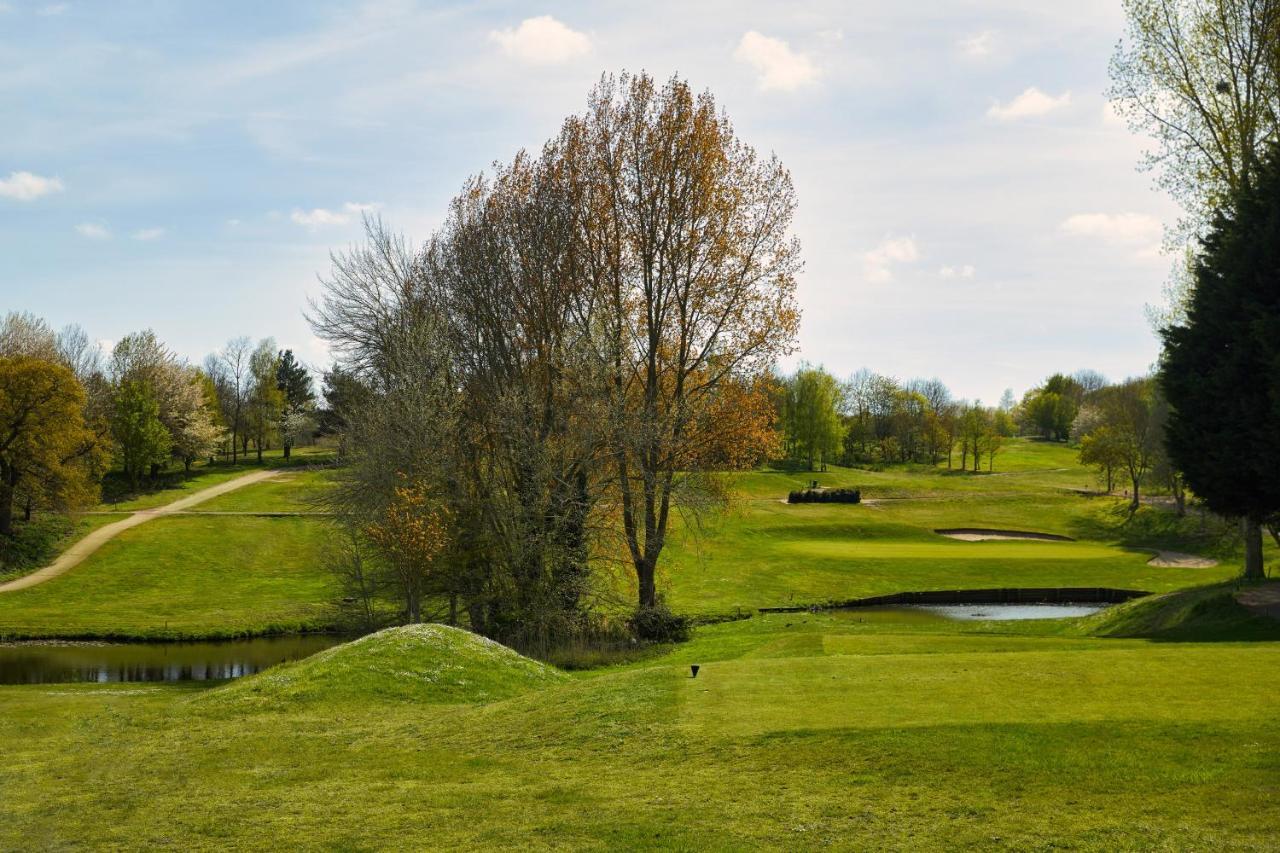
(59, 662)
(968, 612)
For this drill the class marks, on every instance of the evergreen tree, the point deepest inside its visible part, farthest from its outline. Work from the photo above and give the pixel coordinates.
(1221, 370)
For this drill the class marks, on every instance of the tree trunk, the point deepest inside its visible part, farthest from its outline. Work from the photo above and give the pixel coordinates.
(186, 464)
(453, 608)
(1274, 530)
(26, 509)
(1251, 527)
(648, 586)
(414, 607)
(288, 447)
(6, 503)
(258, 447)
(1136, 502)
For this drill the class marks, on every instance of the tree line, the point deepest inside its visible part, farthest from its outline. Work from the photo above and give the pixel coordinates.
(70, 413)
(875, 419)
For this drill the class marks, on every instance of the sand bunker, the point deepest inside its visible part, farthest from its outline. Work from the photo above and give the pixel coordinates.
(982, 534)
(1178, 560)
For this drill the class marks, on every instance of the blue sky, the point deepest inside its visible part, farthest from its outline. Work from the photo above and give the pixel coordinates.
(969, 207)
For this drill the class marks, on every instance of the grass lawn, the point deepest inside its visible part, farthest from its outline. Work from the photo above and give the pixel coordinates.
(764, 552)
(177, 484)
(186, 576)
(293, 490)
(817, 731)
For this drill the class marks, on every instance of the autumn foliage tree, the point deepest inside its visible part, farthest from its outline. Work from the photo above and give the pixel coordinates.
(684, 235)
(45, 446)
(412, 534)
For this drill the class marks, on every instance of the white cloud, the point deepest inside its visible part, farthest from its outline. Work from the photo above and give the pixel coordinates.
(146, 234)
(977, 45)
(1030, 103)
(878, 263)
(93, 231)
(1136, 230)
(541, 41)
(25, 186)
(779, 67)
(319, 216)
(1115, 228)
(53, 9)
(965, 271)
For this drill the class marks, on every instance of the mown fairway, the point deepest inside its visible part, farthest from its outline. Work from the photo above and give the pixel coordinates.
(852, 730)
(767, 552)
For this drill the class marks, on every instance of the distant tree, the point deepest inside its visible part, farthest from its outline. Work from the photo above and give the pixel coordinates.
(1090, 382)
(45, 447)
(266, 401)
(294, 382)
(141, 438)
(1102, 448)
(293, 378)
(1050, 409)
(1221, 370)
(814, 427)
(229, 370)
(343, 394)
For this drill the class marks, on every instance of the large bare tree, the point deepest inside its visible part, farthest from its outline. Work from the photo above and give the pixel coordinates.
(685, 237)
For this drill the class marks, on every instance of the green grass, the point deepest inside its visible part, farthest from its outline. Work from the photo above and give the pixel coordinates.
(186, 576)
(433, 664)
(1149, 726)
(822, 731)
(1201, 614)
(39, 541)
(176, 484)
(297, 490)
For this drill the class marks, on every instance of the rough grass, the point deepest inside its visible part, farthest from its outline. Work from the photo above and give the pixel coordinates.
(1202, 614)
(421, 663)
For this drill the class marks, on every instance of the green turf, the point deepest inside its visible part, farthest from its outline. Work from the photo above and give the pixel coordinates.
(293, 490)
(799, 733)
(421, 663)
(186, 576)
(176, 484)
(763, 551)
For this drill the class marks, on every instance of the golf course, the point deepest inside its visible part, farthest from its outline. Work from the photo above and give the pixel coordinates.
(1145, 725)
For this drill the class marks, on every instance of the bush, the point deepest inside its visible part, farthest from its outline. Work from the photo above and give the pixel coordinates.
(825, 496)
(659, 625)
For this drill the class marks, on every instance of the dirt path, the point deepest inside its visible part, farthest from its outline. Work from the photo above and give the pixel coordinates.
(76, 554)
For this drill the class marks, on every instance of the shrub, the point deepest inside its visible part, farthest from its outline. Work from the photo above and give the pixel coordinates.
(658, 624)
(825, 496)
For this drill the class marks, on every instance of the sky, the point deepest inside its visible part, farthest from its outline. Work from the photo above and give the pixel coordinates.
(969, 206)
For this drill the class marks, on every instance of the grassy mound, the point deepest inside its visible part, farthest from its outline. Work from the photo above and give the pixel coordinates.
(422, 663)
(1200, 614)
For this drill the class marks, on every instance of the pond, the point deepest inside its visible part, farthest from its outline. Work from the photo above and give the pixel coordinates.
(53, 662)
(1003, 612)
(967, 612)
